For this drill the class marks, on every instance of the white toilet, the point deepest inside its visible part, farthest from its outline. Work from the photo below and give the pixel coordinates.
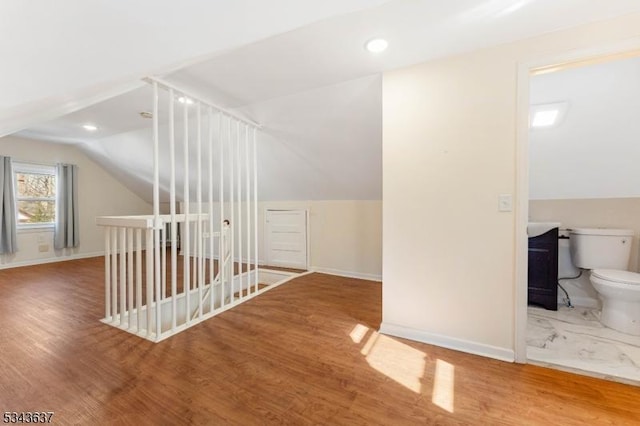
(606, 253)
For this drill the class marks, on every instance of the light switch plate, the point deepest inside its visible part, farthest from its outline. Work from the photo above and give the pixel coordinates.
(505, 203)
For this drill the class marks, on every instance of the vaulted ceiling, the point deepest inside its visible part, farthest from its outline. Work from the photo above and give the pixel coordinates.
(298, 68)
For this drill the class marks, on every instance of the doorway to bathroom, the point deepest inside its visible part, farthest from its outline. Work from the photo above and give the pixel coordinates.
(580, 172)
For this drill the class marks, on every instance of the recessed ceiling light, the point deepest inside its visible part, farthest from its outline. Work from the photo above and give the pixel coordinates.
(544, 118)
(376, 45)
(89, 127)
(547, 115)
(185, 100)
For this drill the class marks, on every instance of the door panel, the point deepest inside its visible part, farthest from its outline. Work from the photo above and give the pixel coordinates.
(286, 238)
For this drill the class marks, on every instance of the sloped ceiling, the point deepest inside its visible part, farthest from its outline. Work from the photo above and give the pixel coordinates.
(315, 90)
(320, 144)
(59, 57)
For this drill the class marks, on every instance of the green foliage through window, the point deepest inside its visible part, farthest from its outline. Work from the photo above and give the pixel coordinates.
(35, 195)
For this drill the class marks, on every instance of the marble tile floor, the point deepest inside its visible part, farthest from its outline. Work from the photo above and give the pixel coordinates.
(575, 340)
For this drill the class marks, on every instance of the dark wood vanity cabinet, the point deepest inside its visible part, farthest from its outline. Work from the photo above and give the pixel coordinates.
(543, 270)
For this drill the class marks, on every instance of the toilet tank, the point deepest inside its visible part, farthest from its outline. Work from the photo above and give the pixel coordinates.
(600, 248)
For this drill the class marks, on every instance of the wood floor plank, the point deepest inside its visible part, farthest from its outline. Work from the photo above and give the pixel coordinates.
(306, 352)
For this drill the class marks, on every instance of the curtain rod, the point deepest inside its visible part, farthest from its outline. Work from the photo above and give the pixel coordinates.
(37, 163)
(33, 163)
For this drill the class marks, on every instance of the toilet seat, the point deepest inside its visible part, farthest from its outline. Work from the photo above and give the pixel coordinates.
(617, 276)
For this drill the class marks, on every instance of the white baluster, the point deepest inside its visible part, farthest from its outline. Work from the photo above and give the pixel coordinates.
(233, 225)
(187, 224)
(129, 277)
(255, 206)
(149, 276)
(248, 195)
(172, 212)
(211, 246)
(239, 195)
(139, 278)
(123, 276)
(114, 273)
(199, 230)
(156, 213)
(107, 273)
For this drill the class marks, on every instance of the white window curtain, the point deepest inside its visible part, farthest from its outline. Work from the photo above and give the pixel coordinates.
(67, 230)
(8, 240)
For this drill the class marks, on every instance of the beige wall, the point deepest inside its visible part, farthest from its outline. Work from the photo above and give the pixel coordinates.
(449, 151)
(592, 213)
(346, 238)
(99, 194)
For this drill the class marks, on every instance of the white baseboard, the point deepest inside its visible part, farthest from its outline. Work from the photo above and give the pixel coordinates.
(461, 345)
(33, 262)
(347, 274)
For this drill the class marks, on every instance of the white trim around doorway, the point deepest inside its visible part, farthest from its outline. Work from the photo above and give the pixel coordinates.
(568, 58)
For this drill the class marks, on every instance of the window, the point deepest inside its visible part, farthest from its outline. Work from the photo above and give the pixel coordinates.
(35, 188)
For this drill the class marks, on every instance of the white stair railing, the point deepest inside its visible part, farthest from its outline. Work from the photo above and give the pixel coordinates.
(134, 303)
(142, 276)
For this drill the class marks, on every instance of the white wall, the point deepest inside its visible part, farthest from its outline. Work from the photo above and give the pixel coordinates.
(99, 194)
(594, 151)
(449, 144)
(345, 237)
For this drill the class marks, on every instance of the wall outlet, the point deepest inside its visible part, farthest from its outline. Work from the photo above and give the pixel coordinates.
(505, 203)
(43, 248)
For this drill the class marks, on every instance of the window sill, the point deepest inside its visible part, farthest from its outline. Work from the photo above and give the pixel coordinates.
(35, 229)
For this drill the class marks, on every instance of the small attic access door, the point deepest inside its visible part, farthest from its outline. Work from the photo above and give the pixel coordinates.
(286, 238)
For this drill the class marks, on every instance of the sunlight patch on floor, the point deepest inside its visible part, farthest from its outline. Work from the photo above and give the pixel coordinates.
(443, 385)
(358, 333)
(401, 363)
(369, 343)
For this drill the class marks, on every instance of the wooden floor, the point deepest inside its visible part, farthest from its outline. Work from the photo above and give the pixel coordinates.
(303, 353)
